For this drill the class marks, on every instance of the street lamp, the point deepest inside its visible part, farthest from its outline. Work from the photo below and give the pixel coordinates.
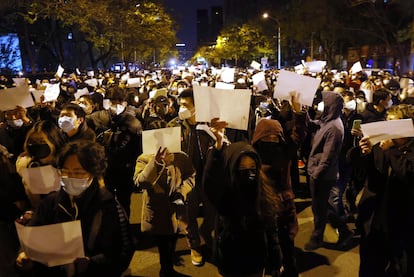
(266, 15)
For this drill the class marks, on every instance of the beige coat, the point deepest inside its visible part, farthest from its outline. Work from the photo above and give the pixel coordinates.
(159, 182)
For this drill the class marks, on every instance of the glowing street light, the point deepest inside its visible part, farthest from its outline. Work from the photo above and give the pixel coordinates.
(266, 15)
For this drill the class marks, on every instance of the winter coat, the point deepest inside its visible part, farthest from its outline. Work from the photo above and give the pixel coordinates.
(327, 142)
(105, 252)
(160, 184)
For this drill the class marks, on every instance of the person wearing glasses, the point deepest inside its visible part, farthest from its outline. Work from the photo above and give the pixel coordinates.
(83, 197)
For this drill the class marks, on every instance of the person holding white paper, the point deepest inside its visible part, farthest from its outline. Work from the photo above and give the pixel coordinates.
(41, 146)
(385, 209)
(196, 140)
(83, 197)
(166, 180)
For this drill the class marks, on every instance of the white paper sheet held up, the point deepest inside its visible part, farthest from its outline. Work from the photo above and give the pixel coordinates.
(255, 65)
(356, 67)
(315, 66)
(42, 179)
(259, 81)
(304, 87)
(152, 140)
(51, 92)
(60, 71)
(52, 245)
(17, 96)
(92, 82)
(391, 129)
(81, 92)
(231, 106)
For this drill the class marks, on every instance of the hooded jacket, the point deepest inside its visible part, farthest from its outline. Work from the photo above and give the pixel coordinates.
(244, 240)
(327, 142)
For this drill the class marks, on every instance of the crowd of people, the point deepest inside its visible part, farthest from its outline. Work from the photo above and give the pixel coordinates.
(242, 182)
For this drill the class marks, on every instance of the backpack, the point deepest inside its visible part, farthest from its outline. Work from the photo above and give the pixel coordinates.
(127, 248)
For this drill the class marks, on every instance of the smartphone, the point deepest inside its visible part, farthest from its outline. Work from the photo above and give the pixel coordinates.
(356, 124)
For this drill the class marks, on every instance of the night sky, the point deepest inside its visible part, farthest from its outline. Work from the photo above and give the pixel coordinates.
(185, 12)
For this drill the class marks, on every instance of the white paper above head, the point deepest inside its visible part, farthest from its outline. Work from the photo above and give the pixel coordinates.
(92, 82)
(304, 87)
(51, 92)
(232, 106)
(20, 82)
(315, 66)
(255, 65)
(158, 92)
(170, 138)
(17, 96)
(90, 73)
(227, 75)
(78, 71)
(52, 245)
(221, 85)
(81, 92)
(300, 69)
(390, 129)
(259, 81)
(60, 71)
(41, 180)
(356, 67)
(134, 82)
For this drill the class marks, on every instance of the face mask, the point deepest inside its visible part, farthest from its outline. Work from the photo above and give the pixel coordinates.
(66, 123)
(15, 123)
(271, 152)
(389, 104)
(118, 109)
(321, 107)
(75, 186)
(184, 113)
(249, 175)
(39, 151)
(350, 105)
(106, 104)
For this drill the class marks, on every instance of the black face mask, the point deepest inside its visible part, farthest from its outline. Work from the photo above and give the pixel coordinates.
(248, 182)
(39, 151)
(271, 152)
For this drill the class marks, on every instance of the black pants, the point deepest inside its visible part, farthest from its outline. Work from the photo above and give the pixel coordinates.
(166, 249)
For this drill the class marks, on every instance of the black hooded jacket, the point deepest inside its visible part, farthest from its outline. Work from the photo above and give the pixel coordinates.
(245, 241)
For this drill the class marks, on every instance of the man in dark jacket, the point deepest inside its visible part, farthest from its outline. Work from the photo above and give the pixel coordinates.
(375, 111)
(323, 169)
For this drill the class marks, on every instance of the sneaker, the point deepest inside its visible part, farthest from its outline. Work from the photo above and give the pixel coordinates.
(301, 164)
(313, 244)
(196, 257)
(344, 239)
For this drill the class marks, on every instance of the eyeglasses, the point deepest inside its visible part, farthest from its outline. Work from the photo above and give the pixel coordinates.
(73, 174)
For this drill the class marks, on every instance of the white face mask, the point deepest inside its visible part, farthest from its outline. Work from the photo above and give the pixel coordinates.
(75, 186)
(350, 105)
(15, 123)
(66, 123)
(184, 113)
(106, 104)
(321, 106)
(118, 109)
(389, 104)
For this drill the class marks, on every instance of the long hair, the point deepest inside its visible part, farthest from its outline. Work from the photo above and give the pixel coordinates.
(268, 204)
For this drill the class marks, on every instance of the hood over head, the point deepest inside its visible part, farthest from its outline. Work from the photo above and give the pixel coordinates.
(333, 106)
(266, 127)
(233, 153)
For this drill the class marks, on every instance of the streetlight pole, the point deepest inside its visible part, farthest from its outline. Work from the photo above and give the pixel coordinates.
(279, 54)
